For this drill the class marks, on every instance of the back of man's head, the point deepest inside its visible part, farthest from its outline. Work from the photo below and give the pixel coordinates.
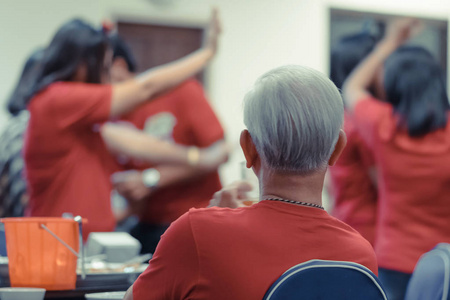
(294, 115)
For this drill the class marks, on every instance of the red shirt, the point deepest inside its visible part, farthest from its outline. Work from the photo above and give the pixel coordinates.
(185, 117)
(413, 185)
(221, 253)
(355, 196)
(66, 160)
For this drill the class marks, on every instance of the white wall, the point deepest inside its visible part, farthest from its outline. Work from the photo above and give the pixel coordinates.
(26, 25)
(258, 35)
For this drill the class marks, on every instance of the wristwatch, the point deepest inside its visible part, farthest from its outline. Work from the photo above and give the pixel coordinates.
(150, 177)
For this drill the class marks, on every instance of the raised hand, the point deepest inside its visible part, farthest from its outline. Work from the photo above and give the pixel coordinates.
(232, 196)
(401, 30)
(214, 30)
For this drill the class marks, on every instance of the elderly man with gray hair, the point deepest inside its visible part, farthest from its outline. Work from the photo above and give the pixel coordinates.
(294, 117)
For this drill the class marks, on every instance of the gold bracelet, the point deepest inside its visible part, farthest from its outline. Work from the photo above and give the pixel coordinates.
(193, 156)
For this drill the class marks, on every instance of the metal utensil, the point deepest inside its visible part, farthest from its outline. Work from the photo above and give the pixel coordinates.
(79, 220)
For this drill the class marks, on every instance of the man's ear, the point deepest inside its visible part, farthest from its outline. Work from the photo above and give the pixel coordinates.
(340, 145)
(249, 149)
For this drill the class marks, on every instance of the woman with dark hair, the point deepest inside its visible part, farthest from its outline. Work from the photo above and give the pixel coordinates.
(410, 138)
(351, 187)
(67, 162)
(415, 86)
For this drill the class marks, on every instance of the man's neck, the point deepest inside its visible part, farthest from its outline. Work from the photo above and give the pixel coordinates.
(290, 186)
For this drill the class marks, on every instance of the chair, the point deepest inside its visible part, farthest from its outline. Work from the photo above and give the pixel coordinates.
(323, 280)
(431, 277)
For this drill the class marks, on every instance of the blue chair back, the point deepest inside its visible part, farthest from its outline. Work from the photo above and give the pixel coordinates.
(431, 277)
(327, 280)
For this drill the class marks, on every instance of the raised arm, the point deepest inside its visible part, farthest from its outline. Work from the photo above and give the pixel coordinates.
(131, 93)
(356, 87)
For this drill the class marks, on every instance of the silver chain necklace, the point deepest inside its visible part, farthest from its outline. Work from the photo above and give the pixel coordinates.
(296, 202)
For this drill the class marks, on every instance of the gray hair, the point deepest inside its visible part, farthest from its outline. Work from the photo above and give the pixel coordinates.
(294, 115)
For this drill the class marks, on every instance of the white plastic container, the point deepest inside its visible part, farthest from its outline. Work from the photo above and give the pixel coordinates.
(16, 293)
(118, 246)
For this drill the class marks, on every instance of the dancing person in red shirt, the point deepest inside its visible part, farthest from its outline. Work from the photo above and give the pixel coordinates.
(352, 188)
(67, 162)
(410, 137)
(293, 115)
(160, 194)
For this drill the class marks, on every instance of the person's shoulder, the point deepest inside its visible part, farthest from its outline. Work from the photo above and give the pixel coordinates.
(216, 216)
(211, 212)
(51, 89)
(360, 244)
(197, 219)
(67, 85)
(335, 222)
(63, 88)
(189, 88)
(347, 235)
(370, 105)
(45, 97)
(186, 92)
(346, 230)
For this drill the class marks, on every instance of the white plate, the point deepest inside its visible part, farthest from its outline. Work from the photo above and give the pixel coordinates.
(107, 296)
(16, 293)
(111, 268)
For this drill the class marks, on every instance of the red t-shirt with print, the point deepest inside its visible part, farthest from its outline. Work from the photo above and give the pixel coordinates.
(67, 164)
(183, 116)
(354, 194)
(413, 185)
(222, 253)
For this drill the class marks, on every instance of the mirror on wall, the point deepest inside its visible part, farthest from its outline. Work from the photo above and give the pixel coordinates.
(345, 22)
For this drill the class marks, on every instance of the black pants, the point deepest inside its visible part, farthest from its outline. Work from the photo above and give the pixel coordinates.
(394, 283)
(148, 235)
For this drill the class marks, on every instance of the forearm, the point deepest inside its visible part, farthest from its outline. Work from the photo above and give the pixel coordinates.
(146, 86)
(120, 139)
(138, 145)
(173, 174)
(358, 83)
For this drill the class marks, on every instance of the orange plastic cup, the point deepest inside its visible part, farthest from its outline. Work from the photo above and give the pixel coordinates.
(36, 258)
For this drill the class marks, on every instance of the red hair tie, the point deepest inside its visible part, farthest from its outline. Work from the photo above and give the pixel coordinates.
(107, 26)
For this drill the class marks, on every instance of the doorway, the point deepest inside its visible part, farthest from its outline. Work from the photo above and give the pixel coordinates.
(154, 45)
